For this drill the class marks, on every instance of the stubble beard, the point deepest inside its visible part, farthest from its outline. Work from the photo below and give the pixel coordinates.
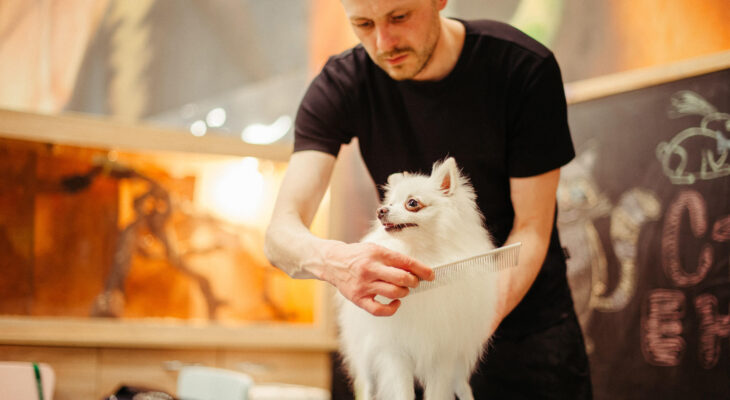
(411, 68)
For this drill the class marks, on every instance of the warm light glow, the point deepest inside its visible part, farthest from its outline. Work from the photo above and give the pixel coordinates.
(216, 117)
(198, 128)
(232, 190)
(266, 134)
(672, 31)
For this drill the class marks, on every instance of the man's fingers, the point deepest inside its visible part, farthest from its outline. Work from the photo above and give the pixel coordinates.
(417, 268)
(372, 306)
(398, 277)
(388, 290)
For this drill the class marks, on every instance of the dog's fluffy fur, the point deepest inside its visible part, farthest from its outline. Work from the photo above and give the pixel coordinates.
(436, 336)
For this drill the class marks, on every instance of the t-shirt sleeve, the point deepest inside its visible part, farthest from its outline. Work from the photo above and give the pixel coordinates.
(322, 119)
(539, 140)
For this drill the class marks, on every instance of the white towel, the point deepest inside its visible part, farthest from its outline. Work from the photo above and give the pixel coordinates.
(204, 383)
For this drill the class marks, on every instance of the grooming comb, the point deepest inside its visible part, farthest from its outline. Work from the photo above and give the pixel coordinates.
(492, 261)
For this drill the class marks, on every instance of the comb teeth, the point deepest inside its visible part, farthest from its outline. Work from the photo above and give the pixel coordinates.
(492, 261)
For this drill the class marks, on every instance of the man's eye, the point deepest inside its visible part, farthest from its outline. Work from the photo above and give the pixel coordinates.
(362, 25)
(399, 17)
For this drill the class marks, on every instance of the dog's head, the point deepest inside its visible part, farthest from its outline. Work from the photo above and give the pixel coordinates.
(416, 203)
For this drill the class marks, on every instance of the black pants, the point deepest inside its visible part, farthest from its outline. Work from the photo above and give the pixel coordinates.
(550, 364)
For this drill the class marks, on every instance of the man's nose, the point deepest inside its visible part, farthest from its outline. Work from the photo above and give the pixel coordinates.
(382, 212)
(386, 40)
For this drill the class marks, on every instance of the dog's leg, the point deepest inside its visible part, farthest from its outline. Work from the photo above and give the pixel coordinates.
(463, 390)
(363, 386)
(361, 369)
(462, 373)
(438, 383)
(394, 377)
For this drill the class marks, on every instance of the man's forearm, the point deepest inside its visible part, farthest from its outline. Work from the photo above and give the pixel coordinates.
(533, 199)
(291, 247)
(515, 282)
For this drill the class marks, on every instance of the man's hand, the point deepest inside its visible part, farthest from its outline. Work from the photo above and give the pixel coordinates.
(361, 271)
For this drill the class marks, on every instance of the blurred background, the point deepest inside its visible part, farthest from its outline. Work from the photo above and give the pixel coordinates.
(124, 234)
(176, 61)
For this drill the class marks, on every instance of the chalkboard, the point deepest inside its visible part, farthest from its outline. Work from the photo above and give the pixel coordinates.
(644, 212)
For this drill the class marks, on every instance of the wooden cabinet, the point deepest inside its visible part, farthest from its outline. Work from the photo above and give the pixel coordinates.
(146, 367)
(75, 368)
(93, 373)
(61, 302)
(309, 368)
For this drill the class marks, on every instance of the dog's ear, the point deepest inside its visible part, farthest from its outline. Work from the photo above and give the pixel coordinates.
(396, 177)
(446, 174)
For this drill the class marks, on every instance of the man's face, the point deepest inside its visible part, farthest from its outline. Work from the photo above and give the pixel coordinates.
(399, 35)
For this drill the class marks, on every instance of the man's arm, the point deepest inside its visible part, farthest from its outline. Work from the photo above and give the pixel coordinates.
(360, 271)
(533, 199)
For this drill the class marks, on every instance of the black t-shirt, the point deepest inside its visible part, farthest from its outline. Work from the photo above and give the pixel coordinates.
(500, 113)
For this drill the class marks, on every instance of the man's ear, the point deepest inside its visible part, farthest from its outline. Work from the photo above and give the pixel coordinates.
(446, 175)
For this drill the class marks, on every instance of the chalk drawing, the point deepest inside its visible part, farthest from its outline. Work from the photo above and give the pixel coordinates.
(635, 208)
(714, 161)
(581, 203)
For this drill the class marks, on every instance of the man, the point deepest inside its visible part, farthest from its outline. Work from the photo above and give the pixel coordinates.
(418, 88)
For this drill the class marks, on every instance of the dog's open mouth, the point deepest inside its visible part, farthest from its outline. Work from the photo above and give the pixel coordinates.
(397, 227)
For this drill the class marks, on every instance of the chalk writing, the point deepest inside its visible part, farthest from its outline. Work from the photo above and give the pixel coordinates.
(712, 328)
(686, 103)
(694, 204)
(721, 230)
(661, 328)
(662, 341)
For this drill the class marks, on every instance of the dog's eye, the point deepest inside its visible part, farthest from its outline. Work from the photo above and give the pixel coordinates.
(413, 205)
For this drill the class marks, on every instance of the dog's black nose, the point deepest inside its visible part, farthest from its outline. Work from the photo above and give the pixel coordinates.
(382, 211)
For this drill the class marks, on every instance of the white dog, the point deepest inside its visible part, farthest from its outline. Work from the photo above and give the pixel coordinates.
(438, 335)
